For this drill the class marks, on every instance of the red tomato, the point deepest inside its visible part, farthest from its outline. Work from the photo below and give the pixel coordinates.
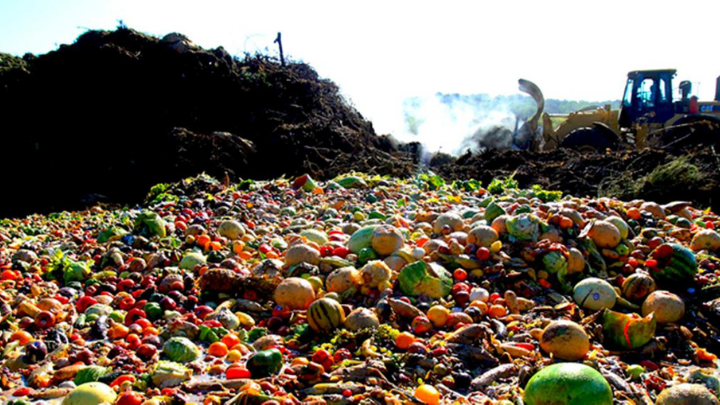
(234, 372)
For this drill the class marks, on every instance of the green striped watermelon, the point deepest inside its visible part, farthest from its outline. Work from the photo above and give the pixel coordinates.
(325, 315)
(676, 264)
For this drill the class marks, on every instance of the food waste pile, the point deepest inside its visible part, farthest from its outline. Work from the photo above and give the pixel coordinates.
(362, 289)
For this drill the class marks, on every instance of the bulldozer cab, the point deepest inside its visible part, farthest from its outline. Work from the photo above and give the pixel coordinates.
(647, 98)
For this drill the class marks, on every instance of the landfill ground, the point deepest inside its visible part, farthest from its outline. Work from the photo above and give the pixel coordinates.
(273, 249)
(366, 289)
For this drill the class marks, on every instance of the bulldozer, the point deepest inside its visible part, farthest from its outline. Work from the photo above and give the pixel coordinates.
(648, 117)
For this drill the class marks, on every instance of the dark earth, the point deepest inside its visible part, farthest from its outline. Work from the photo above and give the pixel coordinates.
(107, 117)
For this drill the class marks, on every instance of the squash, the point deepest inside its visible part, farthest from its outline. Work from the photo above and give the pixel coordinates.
(361, 318)
(706, 239)
(482, 236)
(605, 234)
(594, 294)
(374, 273)
(231, 229)
(294, 293)
(637, 286)
(343, 279)
(325, 315)
(668, 307)
(302, 253)
(682, 394)
(452, 219)
(565, 340)
(386, 239)
(576, 261)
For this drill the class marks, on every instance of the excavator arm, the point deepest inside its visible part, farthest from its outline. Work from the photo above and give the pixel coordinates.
(527, 136)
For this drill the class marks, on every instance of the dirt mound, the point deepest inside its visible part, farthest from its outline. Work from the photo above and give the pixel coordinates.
(654, 175)
(118, 111)
(107, 117)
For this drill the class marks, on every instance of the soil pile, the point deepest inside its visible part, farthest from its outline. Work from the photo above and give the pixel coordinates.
(119, 111)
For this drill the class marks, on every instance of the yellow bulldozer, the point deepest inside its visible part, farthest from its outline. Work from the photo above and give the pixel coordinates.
(648, 117)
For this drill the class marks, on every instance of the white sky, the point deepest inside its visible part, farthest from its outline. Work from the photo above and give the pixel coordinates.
(380, 53)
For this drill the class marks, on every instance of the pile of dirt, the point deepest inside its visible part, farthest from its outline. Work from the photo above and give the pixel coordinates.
(650, 174)
(118, 111)
(107, 117)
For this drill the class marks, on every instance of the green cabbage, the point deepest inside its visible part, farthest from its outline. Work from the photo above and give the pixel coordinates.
(76, 271)
(191, 260)
(149, 223)
(90, 374)
(555, 263)
(523, 228)
(180, 349)
(423, 278)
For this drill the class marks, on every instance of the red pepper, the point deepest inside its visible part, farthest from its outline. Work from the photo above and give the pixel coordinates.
(63, 299)
(84, 302)
(526, 346)
(23, 392)
(133, 315)
(649, 365)
(118, 381)
(212, 323)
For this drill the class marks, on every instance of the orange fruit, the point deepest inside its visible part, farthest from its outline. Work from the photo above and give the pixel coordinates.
(218, 349)
(404, 340)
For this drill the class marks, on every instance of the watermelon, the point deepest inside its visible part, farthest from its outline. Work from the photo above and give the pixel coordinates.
(566, 384)
(325, 315)
(362, 238)
(352, 182)
(493, 211)
(676, 264)
(628, 331)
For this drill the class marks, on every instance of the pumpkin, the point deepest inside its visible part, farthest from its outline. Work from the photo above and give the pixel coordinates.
(594, 294)
(361, 318)
(637, 286)
(668, 307)
(302, 253)
(374, 273)
(343, 279)
(482, 236)
(566, 340)
(231, 229)
(452, 219)
(325, 315)
(294, 293)
(706, 239)
(605, 234)
(386, 239)
(683, 394)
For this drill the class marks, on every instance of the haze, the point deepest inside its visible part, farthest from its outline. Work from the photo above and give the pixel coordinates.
(381, 53)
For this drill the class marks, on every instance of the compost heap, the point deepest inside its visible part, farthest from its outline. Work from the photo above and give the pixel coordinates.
(107, 117)
(362, 289)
